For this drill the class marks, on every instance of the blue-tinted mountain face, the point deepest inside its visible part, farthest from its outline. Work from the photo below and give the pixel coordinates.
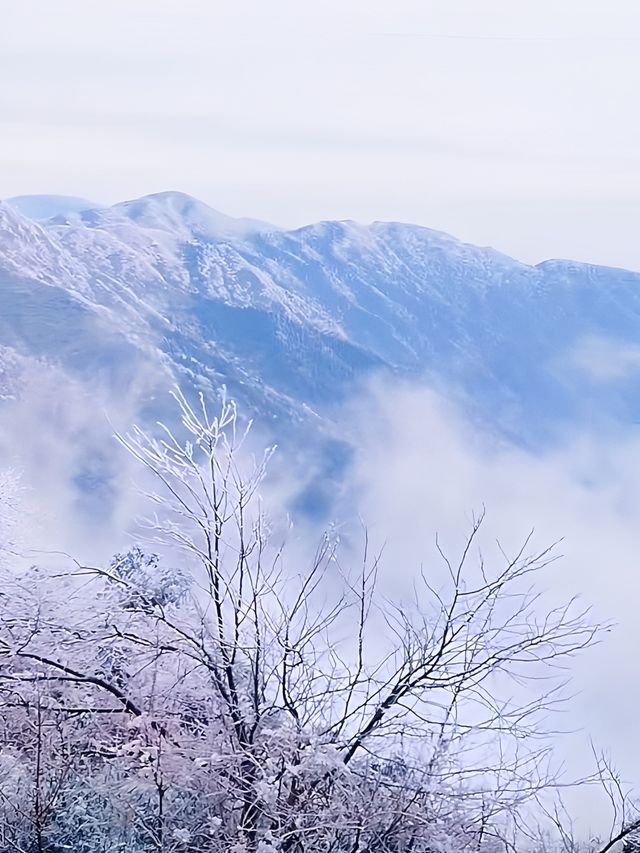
(43, 207)
(292, 321)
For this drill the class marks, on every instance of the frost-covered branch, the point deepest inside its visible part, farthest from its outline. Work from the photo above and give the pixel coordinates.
(203, 694)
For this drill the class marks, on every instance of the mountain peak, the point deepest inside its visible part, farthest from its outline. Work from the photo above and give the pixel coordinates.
(185, 216)
(289, 320)
(43, 207)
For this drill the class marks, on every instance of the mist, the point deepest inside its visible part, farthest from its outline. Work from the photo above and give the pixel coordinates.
(423, 469)
(420, 471)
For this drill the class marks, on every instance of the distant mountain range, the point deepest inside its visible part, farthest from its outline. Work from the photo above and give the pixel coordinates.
(166, 288)
(43, 207)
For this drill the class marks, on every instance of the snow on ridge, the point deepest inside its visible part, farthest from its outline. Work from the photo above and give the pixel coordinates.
(186, 216)
(29, 250)
(303, 311)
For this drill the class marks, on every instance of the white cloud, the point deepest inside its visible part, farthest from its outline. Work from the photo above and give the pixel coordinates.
(606, 360)
(423, 468)
(76, 483)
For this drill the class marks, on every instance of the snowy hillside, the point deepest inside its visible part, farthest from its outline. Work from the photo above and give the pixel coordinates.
(291, 321)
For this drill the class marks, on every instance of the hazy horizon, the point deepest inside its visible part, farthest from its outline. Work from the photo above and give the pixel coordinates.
(510, 127)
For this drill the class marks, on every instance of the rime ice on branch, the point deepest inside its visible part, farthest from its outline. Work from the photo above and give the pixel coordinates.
(214, 698)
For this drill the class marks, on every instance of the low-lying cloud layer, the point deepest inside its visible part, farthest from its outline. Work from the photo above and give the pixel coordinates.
(420, 467)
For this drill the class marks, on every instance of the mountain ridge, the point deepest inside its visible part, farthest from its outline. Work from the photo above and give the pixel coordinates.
(301, 315)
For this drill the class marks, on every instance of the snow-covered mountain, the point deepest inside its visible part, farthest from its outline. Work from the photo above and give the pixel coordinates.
(42, 207)
(292, 321)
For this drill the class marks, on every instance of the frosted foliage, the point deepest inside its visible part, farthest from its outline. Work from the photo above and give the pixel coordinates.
(239, 703)
(147, 581)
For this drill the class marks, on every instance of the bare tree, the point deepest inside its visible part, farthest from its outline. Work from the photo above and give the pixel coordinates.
(235, 704)
(624, 813)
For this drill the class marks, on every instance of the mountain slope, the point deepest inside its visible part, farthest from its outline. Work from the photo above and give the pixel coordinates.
(292, 320)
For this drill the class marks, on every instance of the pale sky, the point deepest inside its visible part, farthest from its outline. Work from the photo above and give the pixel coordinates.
(513, 123)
